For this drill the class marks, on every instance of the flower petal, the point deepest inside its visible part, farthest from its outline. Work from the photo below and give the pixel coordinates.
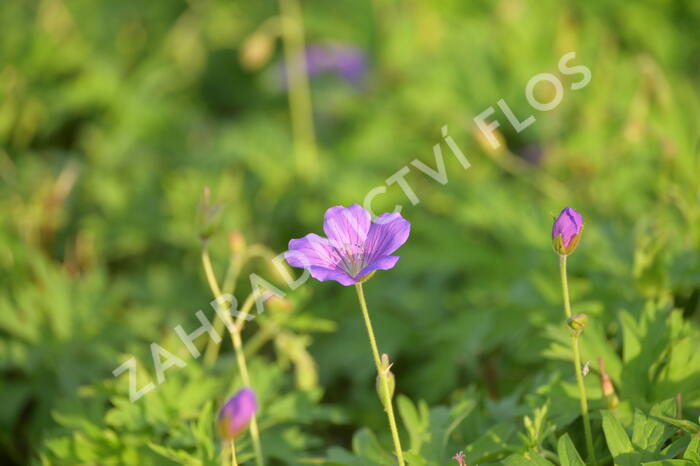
(386, 235)
(311, 251)
(347, 227)
(381, 263)
(322, 274)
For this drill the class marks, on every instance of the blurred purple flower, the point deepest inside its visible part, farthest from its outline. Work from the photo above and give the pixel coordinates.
(237, 413)
(346, 61)
(531, 153)
(355, 247)
(567, 230)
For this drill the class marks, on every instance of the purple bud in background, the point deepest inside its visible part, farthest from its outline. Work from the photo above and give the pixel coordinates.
(566, 231)
(237, 413)
(346, 61)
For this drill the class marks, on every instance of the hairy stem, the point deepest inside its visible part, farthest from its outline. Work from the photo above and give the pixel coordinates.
(575, 334)
(382, 375)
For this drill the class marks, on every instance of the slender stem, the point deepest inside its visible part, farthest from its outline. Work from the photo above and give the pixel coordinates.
(575, 334)
(238, 350)
(382, 375)
(298, 82)
(234, 461)
(235, 266)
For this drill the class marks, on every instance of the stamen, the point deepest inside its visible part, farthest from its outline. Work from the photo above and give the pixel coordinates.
(350, 257)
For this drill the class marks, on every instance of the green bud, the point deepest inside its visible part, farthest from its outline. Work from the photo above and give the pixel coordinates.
(380, 389)
(391, 382)
(578, 322)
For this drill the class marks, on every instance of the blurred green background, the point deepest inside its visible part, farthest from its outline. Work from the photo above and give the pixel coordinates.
(114, 116)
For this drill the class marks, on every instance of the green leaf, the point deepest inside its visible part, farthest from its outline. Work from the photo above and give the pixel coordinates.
(618, 441)
(650, 433)
(675, 449)
(414, 460)
(568, 456)
(179, 456)
(416, 421)
(366, 445)
(693, 450)
(670, 463)
(492, 444)
(203, 432)
(688, 426)
(520, 460)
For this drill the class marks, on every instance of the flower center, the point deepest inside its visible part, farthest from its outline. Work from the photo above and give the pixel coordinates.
(351, 258)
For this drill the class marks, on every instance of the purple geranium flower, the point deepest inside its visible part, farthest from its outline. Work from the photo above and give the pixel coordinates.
(237, 413)
(355, 247)
(566, 231)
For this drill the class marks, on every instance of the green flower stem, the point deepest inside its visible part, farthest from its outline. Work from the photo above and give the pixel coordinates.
(575, 334)
(234, 461)
(382, 375)
(238, 349)
(298, 80)
(236, 264)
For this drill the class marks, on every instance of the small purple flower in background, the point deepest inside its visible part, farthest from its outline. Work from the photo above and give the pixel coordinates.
(343, 60)
(531, 153)
(355, 247)
(237, 413)
(347, 61)
(566, 231)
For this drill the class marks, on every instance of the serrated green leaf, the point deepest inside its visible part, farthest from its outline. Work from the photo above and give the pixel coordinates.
(649, 433)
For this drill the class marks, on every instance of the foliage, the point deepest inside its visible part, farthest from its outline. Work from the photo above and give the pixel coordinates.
(114, 116)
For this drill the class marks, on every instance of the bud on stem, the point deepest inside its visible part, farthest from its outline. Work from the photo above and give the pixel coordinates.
(607, 387)
(391, 382)
(577, 323)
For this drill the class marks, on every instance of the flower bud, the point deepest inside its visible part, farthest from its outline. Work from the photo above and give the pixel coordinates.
(237, 413)
(386, 368)
(279, 304)
(566, 231)
(578, 322)
(256, 50)
(236, 242)
(607, 387)
(208, 215)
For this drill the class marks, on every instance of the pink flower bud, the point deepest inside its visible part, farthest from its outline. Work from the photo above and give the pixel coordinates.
(237, 413)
